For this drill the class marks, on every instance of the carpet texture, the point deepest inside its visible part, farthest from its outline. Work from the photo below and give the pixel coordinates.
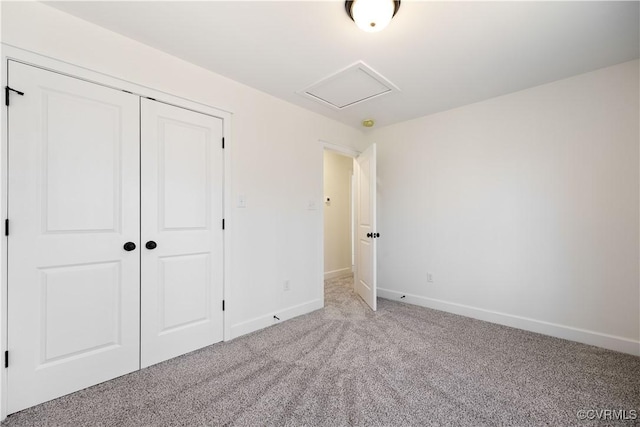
(346, 365)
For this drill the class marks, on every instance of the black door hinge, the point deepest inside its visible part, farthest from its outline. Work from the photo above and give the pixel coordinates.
(7, 89)
(223, 223)
(6, 359)
(6, 227)
(222, 305)
(223, 142)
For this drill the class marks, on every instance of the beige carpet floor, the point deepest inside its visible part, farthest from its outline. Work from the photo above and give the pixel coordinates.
(345, 365)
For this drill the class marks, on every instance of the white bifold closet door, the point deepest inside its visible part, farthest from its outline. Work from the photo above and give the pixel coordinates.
(95, 175)
(182, 175)
(73, 202)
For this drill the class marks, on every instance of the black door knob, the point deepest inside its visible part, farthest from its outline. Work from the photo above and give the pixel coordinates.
(369, 234)
(375, 235)
(129, 246)
(151, 244)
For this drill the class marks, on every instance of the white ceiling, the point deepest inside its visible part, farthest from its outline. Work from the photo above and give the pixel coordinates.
(440, 54)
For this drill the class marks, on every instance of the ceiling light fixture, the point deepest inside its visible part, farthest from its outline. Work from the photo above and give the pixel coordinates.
(372, 15)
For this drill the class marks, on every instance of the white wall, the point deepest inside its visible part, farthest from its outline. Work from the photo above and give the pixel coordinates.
(338, 170)
(524, 207)
(275, 238)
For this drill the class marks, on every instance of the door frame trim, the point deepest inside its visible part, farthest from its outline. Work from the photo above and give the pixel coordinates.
(340, 149)
(13, 53)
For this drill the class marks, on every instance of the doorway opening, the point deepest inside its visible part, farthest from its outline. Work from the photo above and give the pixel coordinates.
(339, 217)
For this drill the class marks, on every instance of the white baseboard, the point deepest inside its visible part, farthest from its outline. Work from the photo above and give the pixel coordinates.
(261, 322)
(597, 339)
(337, 273)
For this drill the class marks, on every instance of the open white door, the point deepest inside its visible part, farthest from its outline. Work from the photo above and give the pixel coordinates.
(74, 256)
(365, 277)
(182, 243)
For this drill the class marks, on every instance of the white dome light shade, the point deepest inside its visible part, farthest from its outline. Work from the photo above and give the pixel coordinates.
(373, 15)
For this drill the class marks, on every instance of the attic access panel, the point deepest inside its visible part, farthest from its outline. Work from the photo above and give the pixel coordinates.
(352, 85)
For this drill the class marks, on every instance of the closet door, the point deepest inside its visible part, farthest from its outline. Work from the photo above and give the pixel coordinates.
(182, 258)
(73, 204)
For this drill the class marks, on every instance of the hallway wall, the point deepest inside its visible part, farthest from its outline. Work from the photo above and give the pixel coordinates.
(338, 171)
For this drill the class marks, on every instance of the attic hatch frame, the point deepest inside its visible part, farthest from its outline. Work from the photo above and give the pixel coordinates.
(368, 76)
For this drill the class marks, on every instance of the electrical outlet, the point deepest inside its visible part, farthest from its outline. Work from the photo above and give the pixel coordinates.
(312, 205)
(429, 277)
(286, 286)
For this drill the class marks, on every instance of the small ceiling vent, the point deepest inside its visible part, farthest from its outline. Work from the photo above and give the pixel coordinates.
(350, 86)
